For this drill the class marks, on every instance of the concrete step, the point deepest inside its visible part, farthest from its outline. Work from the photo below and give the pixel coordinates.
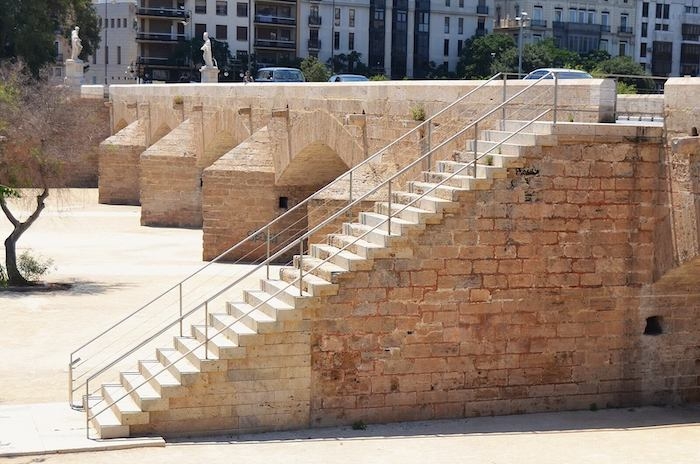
(537, 127)
(381, 221)
(106, 424)
(371, 234)
(181, 368)
(483, 146)
(310, 283)
(456, 180)
(431, 203)
(446, 192)
(409, 213)
(162, 380)
(289, 294)
(357, 246)
(323, 269)
(519, 138)
(194, 352)
(143, 394)
(242, 322)
(342, 258)
(272, 306)
(219, 344)
(123, 405)
(494, 160)
(483, 171)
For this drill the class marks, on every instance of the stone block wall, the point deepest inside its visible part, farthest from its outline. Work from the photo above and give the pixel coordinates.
(532, 297)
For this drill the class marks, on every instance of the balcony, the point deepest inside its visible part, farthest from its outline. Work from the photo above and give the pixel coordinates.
(159, 37)
(279, 44)
(482, 10)
(314, 20)
(314, 44)
(268, 19)
(481, 32)
(627, 30)
(174, 13)
(163, 63)
(538, 23)
(605, 28)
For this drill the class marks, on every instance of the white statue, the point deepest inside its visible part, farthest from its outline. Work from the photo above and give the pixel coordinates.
(206, 52)
(76, 46)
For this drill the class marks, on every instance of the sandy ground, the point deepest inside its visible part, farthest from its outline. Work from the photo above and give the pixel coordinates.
(115, 265)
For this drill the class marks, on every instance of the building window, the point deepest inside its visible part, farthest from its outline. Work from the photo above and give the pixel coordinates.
(460, 45)
(447, 2)
(645, 26)
(461, 3)
(200, 6)
(336, 40)
(106, 55)
(642, 49)
(558, 14)
(423, 22)
(351, 17)
(659, 10)
(379, 15)
(336, 17)
(119, 55)
(623, 49)
(582, 16)
(222, 7)
(199, 29)
(572, 15)
(447, 24)
(242, 10)
(460, 26)
(605, 18)
(242, 33)
(446, 47)
(603, 45)
(351, 41)
(591, 17)
(111, 23)
(94, 58)
(645, 9)
(221, 32)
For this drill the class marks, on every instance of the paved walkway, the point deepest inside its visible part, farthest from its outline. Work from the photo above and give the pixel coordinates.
(115, 265)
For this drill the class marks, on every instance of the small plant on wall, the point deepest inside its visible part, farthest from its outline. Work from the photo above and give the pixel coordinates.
(178, 100)
(418, 113)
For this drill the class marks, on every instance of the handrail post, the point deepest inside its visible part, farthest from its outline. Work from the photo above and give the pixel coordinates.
(70, 380)
(389, 215)
(476, 143)
(206, 329)
(505, 95)
(428, 134)
(267, 257)
(556, 91)
(180, 289)
(301, 267)
(86, 404)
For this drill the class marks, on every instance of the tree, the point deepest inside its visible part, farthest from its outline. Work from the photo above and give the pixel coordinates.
(314, 70)
(625, 66)
(28, 29)
(546, 54)
(41, 126)
(481, 54)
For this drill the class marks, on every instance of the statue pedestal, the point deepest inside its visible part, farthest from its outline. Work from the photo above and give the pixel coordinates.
(74, 73)
(209, 75)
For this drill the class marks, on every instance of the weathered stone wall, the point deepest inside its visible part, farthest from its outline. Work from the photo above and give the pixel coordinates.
(120, 166)
(532, 296)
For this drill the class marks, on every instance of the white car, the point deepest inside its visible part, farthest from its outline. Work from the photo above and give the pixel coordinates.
(562, 73)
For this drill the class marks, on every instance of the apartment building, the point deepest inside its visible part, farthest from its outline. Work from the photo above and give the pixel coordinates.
(114, 59)
(581, 26)
(669, 38)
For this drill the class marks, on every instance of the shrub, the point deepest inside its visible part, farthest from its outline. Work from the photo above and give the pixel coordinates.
(418, 113)
(31, 267)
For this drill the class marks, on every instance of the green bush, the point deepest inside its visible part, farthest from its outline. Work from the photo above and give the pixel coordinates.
(418, 113)
(31, 267)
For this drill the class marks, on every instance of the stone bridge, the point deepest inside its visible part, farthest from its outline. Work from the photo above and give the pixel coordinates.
(191, 154)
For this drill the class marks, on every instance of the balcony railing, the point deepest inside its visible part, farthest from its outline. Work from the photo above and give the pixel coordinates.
(159, 37)
(624, 30)
(605, 28)
(271, 43)
(538, 23)
(164, 12)
(481, 32)
(482, 10)
(314, 20)
(156, 62)
(268, 19)
(314, 44)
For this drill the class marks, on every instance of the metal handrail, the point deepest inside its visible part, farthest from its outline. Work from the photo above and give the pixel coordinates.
(76, 359)
(304, 236)
(330, 219)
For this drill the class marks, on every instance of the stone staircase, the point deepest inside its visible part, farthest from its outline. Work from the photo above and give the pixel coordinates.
(259, 348)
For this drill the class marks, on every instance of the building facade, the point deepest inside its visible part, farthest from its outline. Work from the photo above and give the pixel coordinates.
(669, 39)
(581, 27)
(113, 60)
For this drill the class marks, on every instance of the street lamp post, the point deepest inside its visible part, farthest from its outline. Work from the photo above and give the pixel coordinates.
(521, 23)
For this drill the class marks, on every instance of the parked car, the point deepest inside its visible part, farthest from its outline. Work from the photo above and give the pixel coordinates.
(562, 73)
(277, 74)
(347, 78)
